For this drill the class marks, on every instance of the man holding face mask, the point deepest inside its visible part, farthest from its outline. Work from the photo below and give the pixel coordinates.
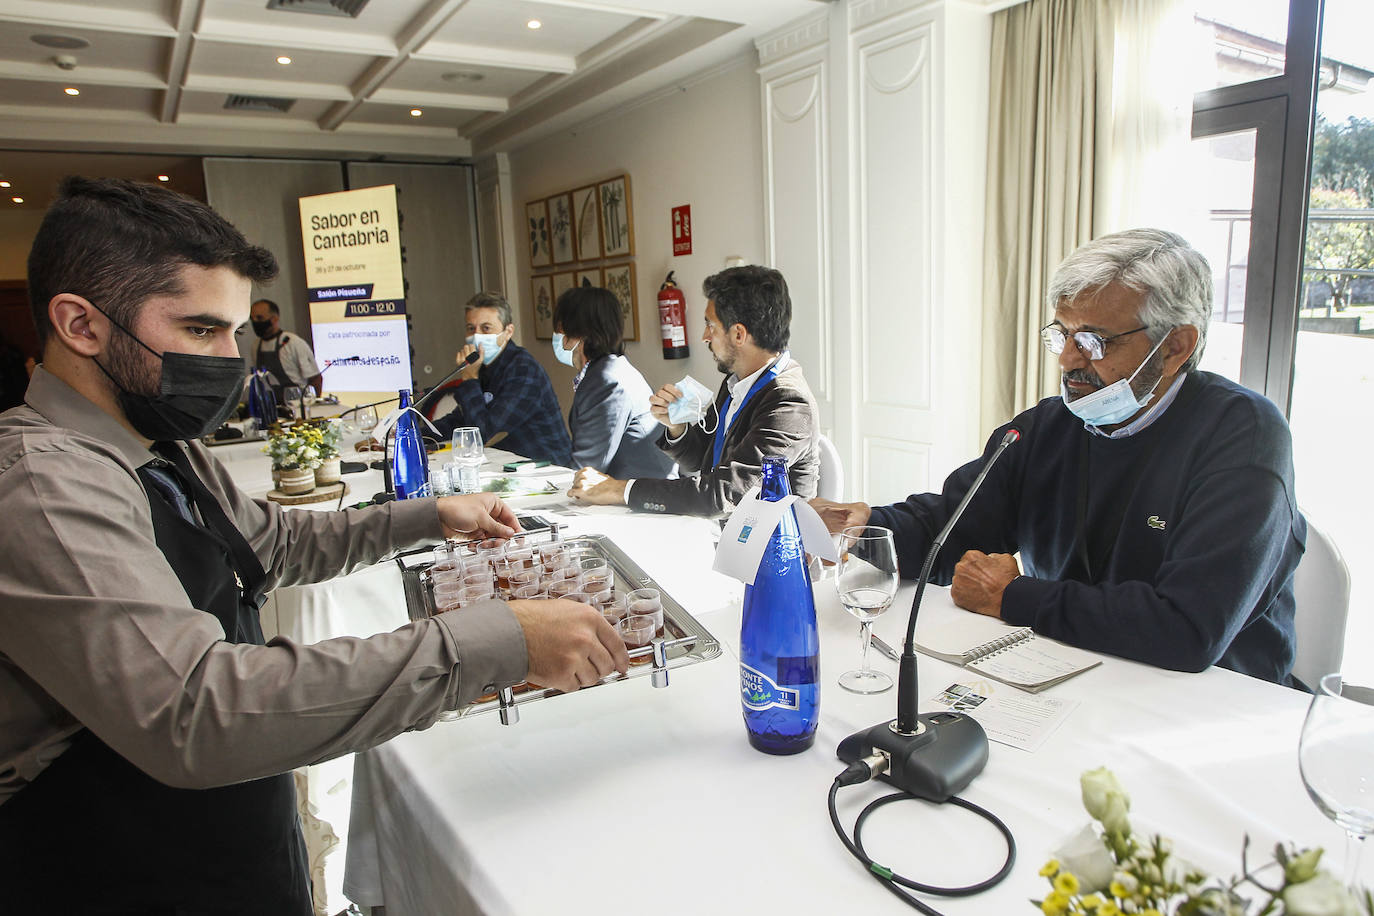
(762, 409)
(506, 391)
(139, 699)
(1151, 503)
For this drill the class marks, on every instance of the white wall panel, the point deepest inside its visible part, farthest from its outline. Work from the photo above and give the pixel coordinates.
(796, 197)
(892, 466)
(895, 132)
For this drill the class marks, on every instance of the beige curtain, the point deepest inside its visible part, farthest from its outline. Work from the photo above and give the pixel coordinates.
(1089, 133)
(1042, 139)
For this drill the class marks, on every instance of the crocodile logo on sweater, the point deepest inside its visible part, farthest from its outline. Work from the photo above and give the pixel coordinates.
(1155, 521)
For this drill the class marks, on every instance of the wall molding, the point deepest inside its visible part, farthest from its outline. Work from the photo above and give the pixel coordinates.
(793, 38)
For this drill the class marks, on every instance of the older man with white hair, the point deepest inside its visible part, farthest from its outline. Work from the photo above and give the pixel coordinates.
(1151, 503)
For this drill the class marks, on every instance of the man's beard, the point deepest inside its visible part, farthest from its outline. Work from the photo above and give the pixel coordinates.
(725, 362)
(132, 368)
(1146, 378)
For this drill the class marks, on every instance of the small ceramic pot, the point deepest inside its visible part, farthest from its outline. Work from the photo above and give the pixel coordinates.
(328, 472)
(296, 480)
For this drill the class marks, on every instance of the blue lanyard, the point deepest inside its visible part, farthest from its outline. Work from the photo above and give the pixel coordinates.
(721, 426)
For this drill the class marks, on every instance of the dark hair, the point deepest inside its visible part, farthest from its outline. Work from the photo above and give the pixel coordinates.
(119, 243)
(592, 315)
(271, 306)
(755, 297)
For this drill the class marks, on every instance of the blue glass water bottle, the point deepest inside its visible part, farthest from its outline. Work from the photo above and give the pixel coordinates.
(779, 646)
(410, 467)
(262, 404)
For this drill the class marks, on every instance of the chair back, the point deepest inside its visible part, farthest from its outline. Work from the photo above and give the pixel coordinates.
(1321, 589)
(830, 478)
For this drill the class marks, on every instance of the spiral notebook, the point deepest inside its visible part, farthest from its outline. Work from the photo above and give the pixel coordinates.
(1012, 655)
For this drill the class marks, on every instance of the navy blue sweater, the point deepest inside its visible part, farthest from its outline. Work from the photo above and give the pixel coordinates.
(1191, 536)
(512, 395)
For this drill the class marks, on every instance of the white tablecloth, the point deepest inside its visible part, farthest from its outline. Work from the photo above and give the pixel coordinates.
(626, 796)
(367, 602)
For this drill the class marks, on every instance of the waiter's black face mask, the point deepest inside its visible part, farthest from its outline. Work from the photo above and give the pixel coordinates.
(196, 394)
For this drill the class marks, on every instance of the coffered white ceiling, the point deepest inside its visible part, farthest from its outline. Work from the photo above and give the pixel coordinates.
(157, 74)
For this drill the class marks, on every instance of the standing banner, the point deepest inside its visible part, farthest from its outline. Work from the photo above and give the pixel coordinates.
(352, 244)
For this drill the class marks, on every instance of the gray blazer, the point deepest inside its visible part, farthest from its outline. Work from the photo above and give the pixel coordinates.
(612, 429)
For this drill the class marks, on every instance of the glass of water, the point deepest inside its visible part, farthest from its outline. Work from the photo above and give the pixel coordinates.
(468, 456)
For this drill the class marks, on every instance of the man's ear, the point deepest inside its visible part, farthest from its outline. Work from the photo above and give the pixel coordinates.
(77, 325)
(509, 333)
(1179, 347)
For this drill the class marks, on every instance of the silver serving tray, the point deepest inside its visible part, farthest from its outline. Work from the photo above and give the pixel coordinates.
(688, 641)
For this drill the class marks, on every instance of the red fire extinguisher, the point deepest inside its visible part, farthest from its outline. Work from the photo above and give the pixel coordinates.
(672, 319)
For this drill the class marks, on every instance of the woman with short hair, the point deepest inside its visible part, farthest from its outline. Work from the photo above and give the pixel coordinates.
(612, 429)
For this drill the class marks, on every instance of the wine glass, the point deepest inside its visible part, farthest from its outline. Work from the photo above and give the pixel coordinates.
(1336, 757)
(291, 395)
(866, 581)
(367, 419)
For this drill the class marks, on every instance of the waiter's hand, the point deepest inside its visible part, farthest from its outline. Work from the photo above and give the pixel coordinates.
(839, 516)
(595, 488)
(980, 579)
(476, 515)
(570, 645)
(658, 406)
(469, 372)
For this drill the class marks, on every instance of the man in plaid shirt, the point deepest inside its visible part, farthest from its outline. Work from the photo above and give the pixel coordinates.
(513, 394)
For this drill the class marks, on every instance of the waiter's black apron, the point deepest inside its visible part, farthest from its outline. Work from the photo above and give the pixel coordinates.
(272, 363)
(94, 834)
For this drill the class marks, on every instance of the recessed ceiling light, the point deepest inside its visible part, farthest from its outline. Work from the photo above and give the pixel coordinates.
(4, 184)
(283, 60)
(416, 112)
(61, 42)
(18, 200)
(462, 76)
(72, 90)
(164, 178)
(534, 24)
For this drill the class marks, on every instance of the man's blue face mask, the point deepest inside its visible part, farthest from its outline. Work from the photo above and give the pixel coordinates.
(488, 344)
(1114, 403)
(693, 406)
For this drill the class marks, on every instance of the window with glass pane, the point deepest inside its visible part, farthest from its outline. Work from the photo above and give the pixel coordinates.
(1333, 373)
(1229, 184)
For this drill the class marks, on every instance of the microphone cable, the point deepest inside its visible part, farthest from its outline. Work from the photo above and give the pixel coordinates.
(869, 767)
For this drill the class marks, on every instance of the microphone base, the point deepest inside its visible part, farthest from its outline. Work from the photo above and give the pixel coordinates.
(948, 750)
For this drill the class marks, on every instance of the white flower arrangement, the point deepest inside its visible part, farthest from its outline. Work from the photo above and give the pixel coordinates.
(1113, 872)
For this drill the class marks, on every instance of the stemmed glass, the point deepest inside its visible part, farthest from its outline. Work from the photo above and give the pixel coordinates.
(367, 419)
(866, 581)
(1336, 758)
(291, 399)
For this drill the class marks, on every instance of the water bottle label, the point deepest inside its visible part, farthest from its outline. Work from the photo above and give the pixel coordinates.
(760, 692)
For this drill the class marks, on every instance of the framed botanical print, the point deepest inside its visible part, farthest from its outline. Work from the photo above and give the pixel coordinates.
(562, 283)
(537, 225)
(586, 223)
(541, 294)
(561, 228)
(620, 280)
(589, 277)
(617, 219)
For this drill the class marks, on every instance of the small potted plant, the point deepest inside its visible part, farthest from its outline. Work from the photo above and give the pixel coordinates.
(329, 471)
(294, 459)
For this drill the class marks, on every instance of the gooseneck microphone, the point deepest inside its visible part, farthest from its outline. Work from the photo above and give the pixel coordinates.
(471, 358)
(936, 755)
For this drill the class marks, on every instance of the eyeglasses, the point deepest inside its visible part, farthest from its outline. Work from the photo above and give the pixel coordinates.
(1090, 343)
